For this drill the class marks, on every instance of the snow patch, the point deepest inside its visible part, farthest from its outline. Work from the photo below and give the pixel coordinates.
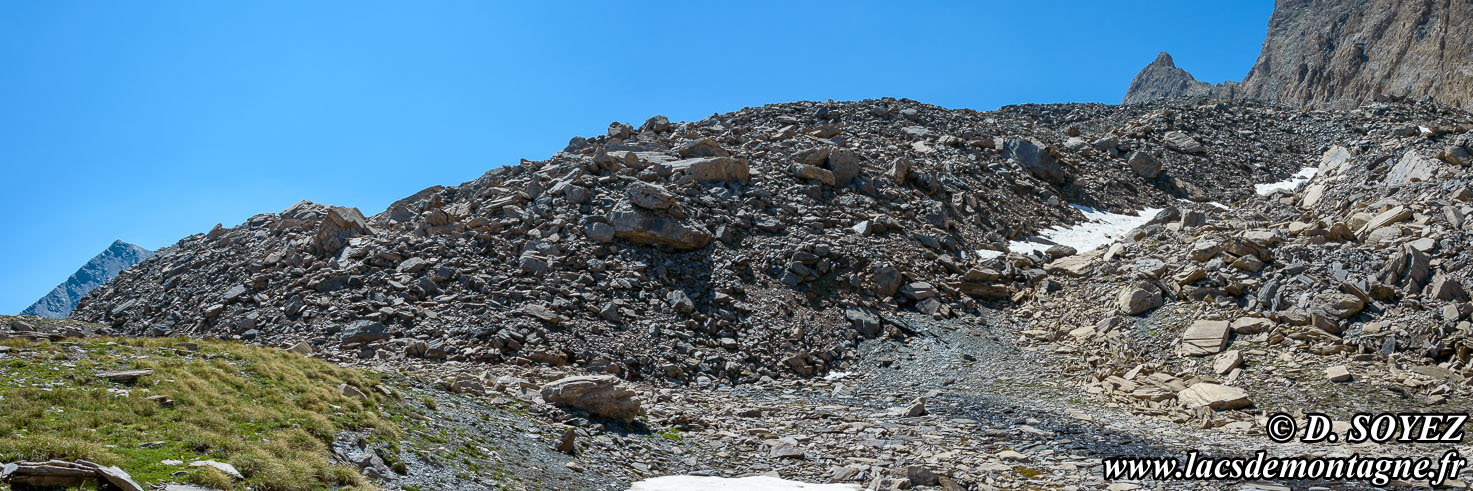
(754, 483)
(1292, 183)
(1212, 203)
(1100, 228)
(837, 375)
(985, 254)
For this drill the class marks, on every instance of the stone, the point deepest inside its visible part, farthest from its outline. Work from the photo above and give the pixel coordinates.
(650, 196)
(786, 450)
(1336, 305)
(1182, 142)
(1394, 215)
(224, 468)
(1205, 249)
(1334, 160)
(812, 173)
(918, 291)
(64, 474)
(568, 444)
(599, 232)
(1312, 195)
(235, 292)
(844, 163)
(1204, 337)
(863, 320)
(301, 348)
(644, 227)
(124, 376)
(1013, 456)
(599, 395)
(1138, 298)
(1447, 288)
(680, 301)
(1412, 167)
(703, 147)
(542, 313)
(1036, 159)
(1337, 373)
(712, 169)
(1215, 396)
(886, 281)
(364, 331)
(1226, 361)
(916, 408)
(920, 475)
(1248, 263)
(1144, 164)
(352, 392)
(1252, 325)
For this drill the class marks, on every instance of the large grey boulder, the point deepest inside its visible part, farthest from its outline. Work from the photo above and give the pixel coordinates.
(599, 395)
(646, 227)
(1138, 298)
(709, 169)
(1144, 164)
(1036, 159)
(1214, 396)
(364, 331)
(1183, 142)
(650, 196)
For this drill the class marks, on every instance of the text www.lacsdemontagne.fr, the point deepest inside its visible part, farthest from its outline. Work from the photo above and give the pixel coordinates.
(1377, 471)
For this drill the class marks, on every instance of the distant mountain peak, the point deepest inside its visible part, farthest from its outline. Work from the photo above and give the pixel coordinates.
(99, 270)
(1162, 79)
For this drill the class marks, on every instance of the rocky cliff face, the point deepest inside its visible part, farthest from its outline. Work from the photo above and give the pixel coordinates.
(100, 269)
(1342, 53)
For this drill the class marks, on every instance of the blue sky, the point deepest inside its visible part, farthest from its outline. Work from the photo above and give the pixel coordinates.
(149, 121)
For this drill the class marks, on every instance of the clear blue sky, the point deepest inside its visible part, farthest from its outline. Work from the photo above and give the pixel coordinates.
(149, 121)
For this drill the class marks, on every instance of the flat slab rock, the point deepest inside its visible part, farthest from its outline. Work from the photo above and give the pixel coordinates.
(60, 473)
(1215, 396)
(125, 375)
(1205, 337)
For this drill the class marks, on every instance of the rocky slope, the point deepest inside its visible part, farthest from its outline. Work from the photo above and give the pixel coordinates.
(757, 243)
(99, 270)
(1342, 53)
(1354, 279)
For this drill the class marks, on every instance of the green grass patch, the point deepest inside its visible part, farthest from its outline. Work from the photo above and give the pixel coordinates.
(270, 413)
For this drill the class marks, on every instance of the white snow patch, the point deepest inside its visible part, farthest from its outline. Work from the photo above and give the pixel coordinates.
(754, 483)
(1292, 183)
(1100, 228)
(985, 254)
(837, 375)
(1212, 203)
